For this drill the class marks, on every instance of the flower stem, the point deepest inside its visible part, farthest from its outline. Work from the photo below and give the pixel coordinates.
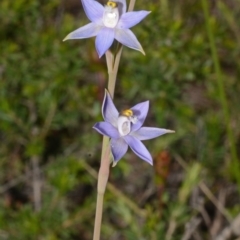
(105, 158)
(102, 183)
(112, 66)
(131, 5)
(234, 167)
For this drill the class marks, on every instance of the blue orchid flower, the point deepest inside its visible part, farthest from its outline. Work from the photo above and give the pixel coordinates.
(125, 129)
(108, 23)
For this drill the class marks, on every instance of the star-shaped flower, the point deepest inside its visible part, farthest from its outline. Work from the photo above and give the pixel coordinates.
(125, 129)
(108, 23)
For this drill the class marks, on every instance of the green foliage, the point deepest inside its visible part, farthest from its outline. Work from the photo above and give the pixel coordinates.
(51, 94)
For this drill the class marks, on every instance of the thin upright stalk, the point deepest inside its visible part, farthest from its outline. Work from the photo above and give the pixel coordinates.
(36, 184)
(102, 183)
(112, 66)
(131, 5)
(105, 158)
(235, 168)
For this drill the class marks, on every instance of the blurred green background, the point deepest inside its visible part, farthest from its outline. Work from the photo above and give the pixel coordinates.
(50, 97)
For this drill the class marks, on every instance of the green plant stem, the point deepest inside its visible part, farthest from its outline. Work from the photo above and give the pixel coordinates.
(235, 168)
(112, 65)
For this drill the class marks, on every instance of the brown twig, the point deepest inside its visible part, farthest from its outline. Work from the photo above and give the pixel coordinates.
(37, 185)
(229, 231)
(207, 191)
(191, 227)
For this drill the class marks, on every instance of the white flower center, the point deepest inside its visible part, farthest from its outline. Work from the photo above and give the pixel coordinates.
(124, 122)
(124, 125)
(111, 15)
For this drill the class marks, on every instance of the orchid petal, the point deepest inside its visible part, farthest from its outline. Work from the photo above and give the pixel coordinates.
(109, 111)
(87, 31)
(127, 38)
(94, 10)
(106, 129)
(138, 148)
(104, 40)
(140, 111)
(130, 19)
(146, 133)
(122, 6)
(118, 147)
